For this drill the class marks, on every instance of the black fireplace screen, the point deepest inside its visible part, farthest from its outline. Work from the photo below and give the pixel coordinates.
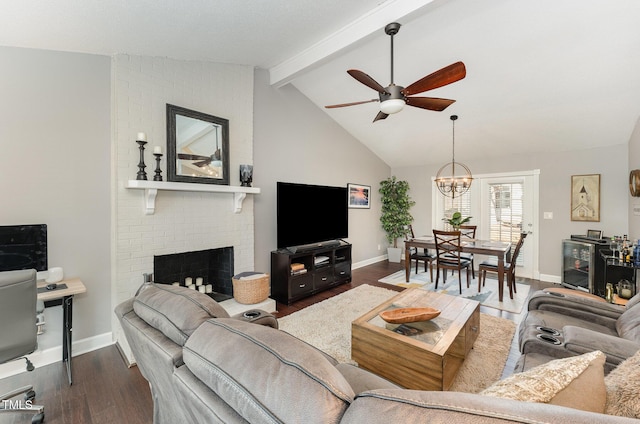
(213, 266)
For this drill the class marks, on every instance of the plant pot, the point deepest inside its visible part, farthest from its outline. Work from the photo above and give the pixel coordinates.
(394, 254)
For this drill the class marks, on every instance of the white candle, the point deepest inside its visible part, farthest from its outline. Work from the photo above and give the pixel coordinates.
(157, 150)
(188, 281)
(142, 137)
(175, 284)
(208, 288)
(201, 289)
(198, 281)
(191, 286)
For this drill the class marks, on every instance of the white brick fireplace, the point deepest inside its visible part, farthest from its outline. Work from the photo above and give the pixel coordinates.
(182, 220)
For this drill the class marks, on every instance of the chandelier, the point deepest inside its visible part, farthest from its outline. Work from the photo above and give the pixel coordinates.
(454, 178)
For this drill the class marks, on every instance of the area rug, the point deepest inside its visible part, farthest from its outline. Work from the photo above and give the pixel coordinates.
(488, 295)
(327, 326)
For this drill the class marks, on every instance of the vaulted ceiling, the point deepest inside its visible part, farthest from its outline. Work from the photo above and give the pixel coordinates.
(542, 75)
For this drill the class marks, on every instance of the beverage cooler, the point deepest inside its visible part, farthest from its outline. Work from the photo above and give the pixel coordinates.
(582, 265)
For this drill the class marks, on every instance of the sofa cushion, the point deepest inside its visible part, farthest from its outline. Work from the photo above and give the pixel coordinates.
(175, 311)
(435, 407)
(623, 388)
(362, 380)
(576, 382)
(267, 375)
(628, 325)
(633, 301)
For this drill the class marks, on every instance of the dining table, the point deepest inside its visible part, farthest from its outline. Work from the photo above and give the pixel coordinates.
(499, 249)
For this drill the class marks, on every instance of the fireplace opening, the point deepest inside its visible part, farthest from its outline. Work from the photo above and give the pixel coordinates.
(210, 271)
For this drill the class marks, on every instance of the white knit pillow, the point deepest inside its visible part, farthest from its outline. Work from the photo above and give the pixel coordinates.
(576, 382)
(623, 388)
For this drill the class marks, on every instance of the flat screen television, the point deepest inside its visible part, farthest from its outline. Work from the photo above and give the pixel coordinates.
(311, 214)
(23, 247)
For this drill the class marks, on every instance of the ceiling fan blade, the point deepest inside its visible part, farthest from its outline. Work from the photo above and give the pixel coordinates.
(447, 75)
(366, 80)
(380, 115)
(186, 156)
(202, 163)
(351, 104)
(431, 103)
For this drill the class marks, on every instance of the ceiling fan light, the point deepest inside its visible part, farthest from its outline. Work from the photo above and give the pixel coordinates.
(392, 106)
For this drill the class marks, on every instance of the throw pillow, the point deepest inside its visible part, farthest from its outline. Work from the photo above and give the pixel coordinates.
(576, 382)
(623, 388)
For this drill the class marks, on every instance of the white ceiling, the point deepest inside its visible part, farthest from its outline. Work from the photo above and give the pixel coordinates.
(542, 75)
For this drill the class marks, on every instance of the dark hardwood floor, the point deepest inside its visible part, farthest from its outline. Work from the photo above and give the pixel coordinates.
(105, 391)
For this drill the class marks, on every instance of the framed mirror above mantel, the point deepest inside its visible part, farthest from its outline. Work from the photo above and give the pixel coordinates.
(197, 147)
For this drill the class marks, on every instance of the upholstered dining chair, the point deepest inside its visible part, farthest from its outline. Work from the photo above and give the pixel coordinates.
(419, 255)
(491, 265)
(448, 255)
(18, 294)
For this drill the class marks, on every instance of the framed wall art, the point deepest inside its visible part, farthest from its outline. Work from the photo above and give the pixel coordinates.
(359, 196)
(585, 198)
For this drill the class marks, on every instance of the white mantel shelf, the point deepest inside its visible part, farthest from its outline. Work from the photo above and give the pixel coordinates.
(151, 191)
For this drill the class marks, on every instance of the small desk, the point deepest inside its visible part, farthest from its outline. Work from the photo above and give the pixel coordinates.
(63, 297)
(498, 249)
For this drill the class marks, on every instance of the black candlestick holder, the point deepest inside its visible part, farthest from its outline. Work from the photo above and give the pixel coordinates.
(158, 171)
(141, 174)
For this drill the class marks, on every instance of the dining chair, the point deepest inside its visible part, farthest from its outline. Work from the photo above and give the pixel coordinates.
(417, 255)
(468, 233)
(491, 265)
(448, 255)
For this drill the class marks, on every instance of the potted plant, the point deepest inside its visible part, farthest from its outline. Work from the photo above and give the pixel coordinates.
(456, 220)
(395, 217)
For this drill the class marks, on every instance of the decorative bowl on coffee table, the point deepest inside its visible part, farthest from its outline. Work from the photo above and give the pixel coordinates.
(404, 315)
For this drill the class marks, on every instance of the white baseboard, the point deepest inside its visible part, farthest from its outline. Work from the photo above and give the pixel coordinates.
(40, 358)
(370, 261)
(551, 278)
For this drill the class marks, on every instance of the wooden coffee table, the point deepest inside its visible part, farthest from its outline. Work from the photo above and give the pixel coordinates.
(430, 358)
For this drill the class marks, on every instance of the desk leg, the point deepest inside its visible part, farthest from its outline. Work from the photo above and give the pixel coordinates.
(67, 318)
(407, 262)
(500, 278)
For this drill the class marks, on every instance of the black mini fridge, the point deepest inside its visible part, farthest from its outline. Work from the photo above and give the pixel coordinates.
(583, 266)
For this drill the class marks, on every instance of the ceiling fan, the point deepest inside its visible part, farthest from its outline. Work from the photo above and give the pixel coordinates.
(393, 97)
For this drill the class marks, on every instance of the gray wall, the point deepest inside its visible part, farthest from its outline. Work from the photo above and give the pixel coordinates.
(55, 166)
(294, 141)
(556, 169)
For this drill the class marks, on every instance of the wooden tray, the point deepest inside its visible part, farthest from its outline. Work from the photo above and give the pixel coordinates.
(403, 315)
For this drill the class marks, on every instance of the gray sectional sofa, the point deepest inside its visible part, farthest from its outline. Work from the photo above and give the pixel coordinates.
(206, 367)
(558, 325)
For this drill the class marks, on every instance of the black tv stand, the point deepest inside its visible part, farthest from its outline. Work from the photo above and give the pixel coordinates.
(313, 270)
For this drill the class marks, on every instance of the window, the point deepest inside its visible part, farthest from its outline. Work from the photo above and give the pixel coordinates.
(460, 204)
(505, 211)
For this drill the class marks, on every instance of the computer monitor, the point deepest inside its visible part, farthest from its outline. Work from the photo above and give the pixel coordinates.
(23, 247)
